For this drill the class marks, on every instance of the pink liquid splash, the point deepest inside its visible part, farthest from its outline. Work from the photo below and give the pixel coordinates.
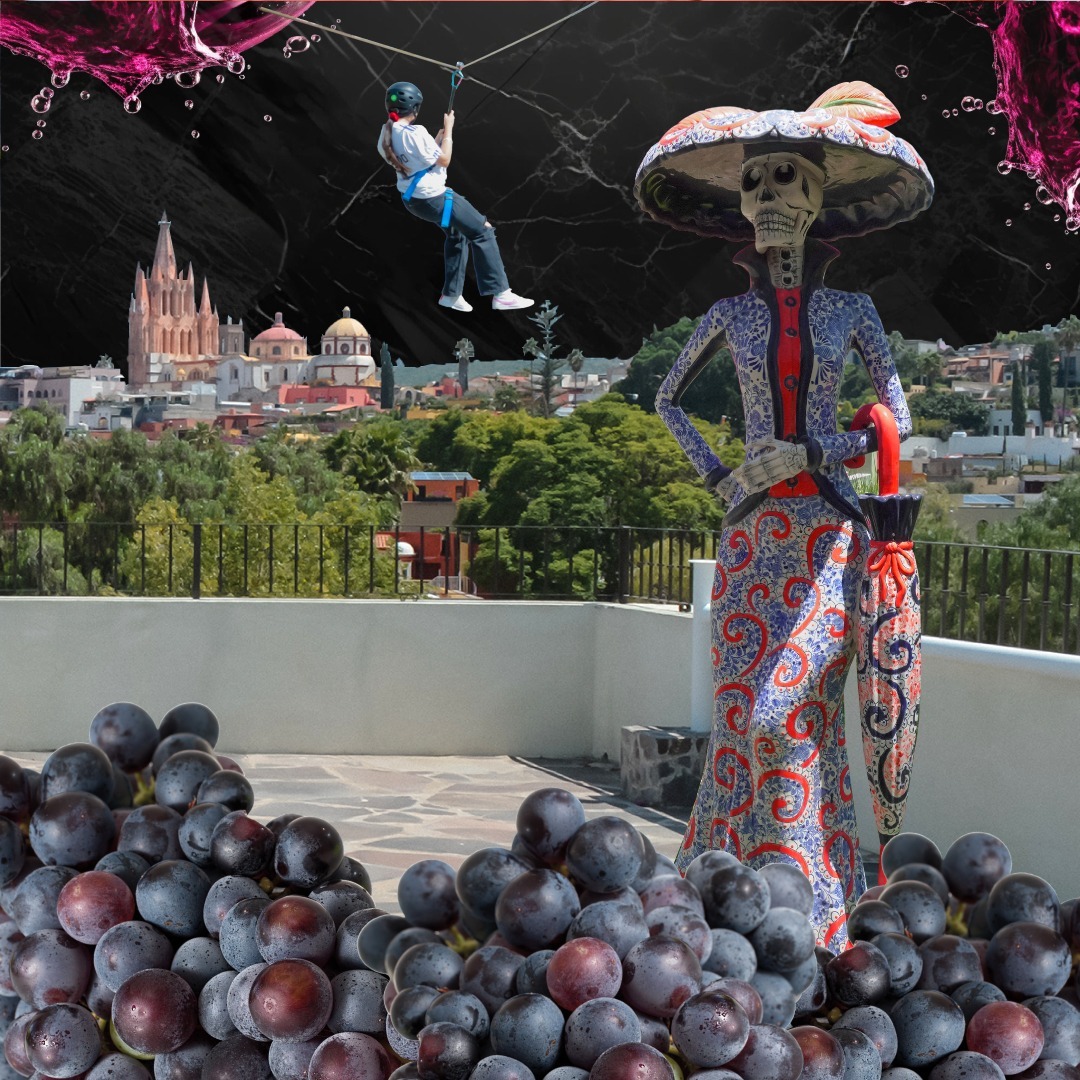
(1037, 62)
(128, 46)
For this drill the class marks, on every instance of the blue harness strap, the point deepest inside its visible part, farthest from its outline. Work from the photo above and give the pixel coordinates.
(447, 209)
(448, 202)
(407, 194)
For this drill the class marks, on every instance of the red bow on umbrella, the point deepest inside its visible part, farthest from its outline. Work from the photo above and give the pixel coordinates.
(895, 559)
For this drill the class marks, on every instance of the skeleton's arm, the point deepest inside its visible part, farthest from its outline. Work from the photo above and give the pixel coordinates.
(707, 340)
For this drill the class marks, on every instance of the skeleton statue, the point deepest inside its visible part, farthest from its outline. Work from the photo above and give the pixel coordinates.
(793, 548)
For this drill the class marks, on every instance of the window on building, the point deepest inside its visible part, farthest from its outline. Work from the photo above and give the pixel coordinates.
(326, 346)
(421, 491)
(345, 347)
(276, 350)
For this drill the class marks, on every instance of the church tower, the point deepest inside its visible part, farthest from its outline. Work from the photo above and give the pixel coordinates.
(167, 334)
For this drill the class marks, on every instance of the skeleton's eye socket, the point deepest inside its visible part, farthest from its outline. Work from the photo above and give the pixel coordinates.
(784, 173)
(751, 178)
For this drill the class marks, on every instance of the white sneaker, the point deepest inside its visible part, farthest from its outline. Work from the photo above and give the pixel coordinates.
(509, 301)
(458, 303)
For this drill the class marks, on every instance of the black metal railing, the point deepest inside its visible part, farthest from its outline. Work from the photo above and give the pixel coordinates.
(971, 592)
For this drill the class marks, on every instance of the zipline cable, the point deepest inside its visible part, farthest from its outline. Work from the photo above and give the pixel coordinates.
(488, 56)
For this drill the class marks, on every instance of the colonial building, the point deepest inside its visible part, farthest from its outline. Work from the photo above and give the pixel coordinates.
(170, 339)
(345, 356)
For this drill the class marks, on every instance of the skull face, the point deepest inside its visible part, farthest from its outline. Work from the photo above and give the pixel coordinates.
(781, 197)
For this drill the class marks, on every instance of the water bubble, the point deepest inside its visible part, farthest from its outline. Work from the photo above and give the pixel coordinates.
(993, 107)
(1027, 206)
(902, 71)
(1043, 195)
(189, 104)
(1008, 221)
(219, 78)
(298, 43)
(36, 133)
(194, 134)
(4, 149)
(1072, 222)
(60, 79)
(41, 123)
(286, 52)
(1004, 168)
(923, 96)
(40, 104)
(188, 79)
(158, 79)
(268, 118)
(241, 77)
(1057, 217)
(315, 37)
(46, 93)
(968, 103)
(956, 112)
(946, 113)
(978, 103)
(132, 104)
(84, 95)
(1049, 266)
(236, 65)
(991, 130)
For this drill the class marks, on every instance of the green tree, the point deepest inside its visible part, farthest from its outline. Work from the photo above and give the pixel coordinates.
(1042, 356)
(546, 380)
(1018, 400)
(937, 412)
(36, 465)
(506, 398)
(378, 455)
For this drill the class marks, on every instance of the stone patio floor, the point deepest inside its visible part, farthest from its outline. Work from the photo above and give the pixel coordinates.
(393, 811)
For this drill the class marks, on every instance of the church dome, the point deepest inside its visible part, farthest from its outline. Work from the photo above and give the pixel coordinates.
(278, 332)
(346, 326)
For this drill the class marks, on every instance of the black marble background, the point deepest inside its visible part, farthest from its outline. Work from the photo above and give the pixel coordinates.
(298, 214)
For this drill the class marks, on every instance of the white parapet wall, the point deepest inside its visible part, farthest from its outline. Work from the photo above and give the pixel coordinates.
(997, 749)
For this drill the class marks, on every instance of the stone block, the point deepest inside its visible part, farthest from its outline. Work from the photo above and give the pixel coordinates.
(661, 766)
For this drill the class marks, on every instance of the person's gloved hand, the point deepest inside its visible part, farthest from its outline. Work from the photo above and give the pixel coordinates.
(773, 461)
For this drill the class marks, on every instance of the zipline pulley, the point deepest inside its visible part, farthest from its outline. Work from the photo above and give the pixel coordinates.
(457, 77)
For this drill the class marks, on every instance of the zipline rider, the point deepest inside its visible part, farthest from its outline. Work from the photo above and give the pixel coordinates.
(420, 162)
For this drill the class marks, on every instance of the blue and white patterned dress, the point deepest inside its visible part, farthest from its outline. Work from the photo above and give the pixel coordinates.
(776, 784)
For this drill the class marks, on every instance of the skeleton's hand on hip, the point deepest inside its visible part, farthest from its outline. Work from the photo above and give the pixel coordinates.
(774, 461)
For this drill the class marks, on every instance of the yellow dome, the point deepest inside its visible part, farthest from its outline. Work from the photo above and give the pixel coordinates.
(346, 326)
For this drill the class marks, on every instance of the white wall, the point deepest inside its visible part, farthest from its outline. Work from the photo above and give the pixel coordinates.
(998, 749)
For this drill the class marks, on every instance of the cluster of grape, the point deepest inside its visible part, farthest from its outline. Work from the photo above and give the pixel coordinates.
(150, 926)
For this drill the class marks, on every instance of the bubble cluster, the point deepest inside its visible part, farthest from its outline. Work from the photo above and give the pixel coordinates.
(236, 65)
(39, 103)
(60, 78)
(296, 44)
(968, 103)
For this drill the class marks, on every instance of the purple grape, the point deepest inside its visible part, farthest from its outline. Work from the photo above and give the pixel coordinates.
(73, 828)
(904, 960)
(117, 1066)
(582, 969)
(290, 1000)
(408, 1010)
(238, 1002)
(929, 1026)
(358, 1002)
(196, 830)
(632, 1060)
(861, 1058)
(671, 892)
(240, 845)
(1028, 960)
(408, 1071)
(813, 998)
(948, 961)
(859, 975)
(190, 718)
(174, 744)
(1023, 898)
(597, 1025)
(152, 832)
(823, 1056)
(531, 977)
(446, 1051)
(744, 994)
(126, 734)
(1050, 1069)
(351, 870)
(605, 854)
(465, 1010)
(925, 873)
(919, 906)
(501, 1067)
(346, 953)
(428, 964)
(375, 937)
(659, 975)
(710, 1029)
(237, 935)
(1061, 1027)
(622, 927)
(50, 968)
(973, 864)
(972, 996)
(489, 974)
(547, 819)
(905, 848)
(686, 925)
(91, 903)
(789, 887)
(731, 956)
(482, 876)
(778, 998)
(736, 898)
(872, 918)
(62, 1040)
(966, 1065)
(307, 852)
(34, 906)
(427, 896)
(295, 927)
(12, 850)
(77, 767)
(227, 788)
(223, 893)
(349, 1054)
(155, 1011)
(528, 1027)
(783, 939)
(237, 1058)
(290, 1060)
(770, 1053)
(128, 948)
(187, 1062)
(15, 1045)
(171, 894)
(536, 909)
(877, 1024)
(1007, 1033)
(198, 960)
(342, 899)
(214, 1016)
(15, 802)
(126, 865)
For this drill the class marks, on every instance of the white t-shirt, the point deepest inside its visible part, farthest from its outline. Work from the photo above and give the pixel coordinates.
(416, 150)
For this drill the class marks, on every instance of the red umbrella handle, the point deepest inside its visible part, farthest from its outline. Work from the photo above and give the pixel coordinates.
(888, 450)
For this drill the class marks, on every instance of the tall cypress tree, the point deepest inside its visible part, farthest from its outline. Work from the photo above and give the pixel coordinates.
(1019, 400)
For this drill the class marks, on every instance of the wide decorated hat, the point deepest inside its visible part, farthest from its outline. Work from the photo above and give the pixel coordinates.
(873, 179)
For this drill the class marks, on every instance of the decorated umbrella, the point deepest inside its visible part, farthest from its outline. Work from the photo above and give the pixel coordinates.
(889, 648)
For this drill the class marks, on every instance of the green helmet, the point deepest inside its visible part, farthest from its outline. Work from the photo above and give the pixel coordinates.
(403, 97)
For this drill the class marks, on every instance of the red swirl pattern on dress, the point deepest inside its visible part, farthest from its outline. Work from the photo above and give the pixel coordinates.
(733, 543)
(782, 849)
(780, 532)
(736, 637)
(783, 801)
(794, 601)
(840, 553)
(728, 776)
(786, 675)
(737, 710)
(729, 838)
